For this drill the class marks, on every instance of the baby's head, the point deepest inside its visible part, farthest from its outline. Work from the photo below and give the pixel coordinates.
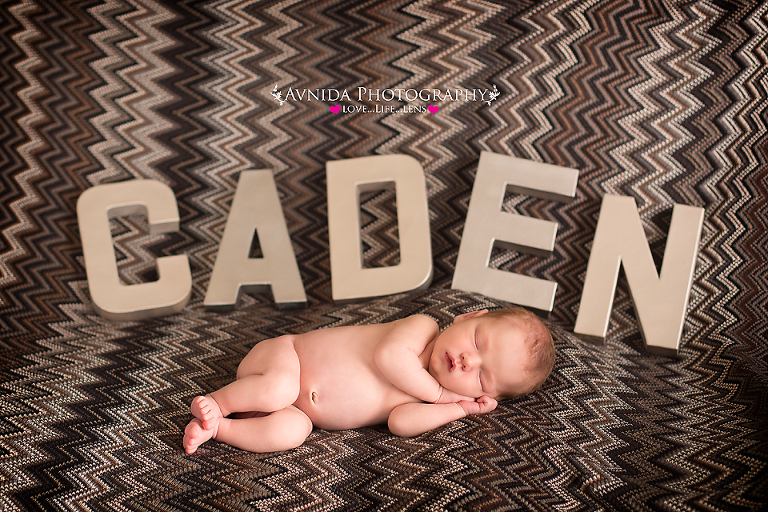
(539, 344)
(502, 354)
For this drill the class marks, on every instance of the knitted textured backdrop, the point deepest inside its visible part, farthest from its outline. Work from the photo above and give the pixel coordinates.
(664, 101)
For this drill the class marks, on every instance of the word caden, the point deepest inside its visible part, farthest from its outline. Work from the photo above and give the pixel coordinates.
(660, 298)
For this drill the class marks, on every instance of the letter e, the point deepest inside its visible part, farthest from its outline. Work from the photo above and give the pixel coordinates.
(487, 224)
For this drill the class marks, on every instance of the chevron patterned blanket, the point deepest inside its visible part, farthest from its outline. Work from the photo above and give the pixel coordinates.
(663, 101)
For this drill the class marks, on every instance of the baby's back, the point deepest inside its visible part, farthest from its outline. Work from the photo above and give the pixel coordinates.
(341, 386)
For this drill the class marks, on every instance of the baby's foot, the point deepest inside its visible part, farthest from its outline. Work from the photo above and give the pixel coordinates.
(207, 411)
(195, 435)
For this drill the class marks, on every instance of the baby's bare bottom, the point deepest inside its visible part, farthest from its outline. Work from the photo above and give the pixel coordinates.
(267, 382)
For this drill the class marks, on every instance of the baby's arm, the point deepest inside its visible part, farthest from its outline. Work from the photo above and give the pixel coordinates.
(412, 419)
(397, 356)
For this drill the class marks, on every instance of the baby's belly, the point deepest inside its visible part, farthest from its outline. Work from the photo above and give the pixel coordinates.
(340, 400)
(341, 386)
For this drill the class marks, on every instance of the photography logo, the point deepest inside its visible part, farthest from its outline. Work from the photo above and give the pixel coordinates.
(364, 100)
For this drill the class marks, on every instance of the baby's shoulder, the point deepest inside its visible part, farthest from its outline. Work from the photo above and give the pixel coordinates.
(422, 319)
(418, 322)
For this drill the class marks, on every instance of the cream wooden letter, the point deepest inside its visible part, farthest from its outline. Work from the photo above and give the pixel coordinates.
(255, 210)
(487, 224)
(346, 179)
(661, 299)
(112, 299)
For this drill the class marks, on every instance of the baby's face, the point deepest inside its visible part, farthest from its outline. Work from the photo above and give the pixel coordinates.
(479, 356)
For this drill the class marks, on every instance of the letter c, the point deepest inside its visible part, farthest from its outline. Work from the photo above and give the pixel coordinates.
(112, 299)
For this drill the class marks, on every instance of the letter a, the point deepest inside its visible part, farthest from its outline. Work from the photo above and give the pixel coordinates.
(255, 209)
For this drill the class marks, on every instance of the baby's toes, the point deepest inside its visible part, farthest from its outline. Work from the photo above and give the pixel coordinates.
(194, 436)
(206, 410)
(198, 407)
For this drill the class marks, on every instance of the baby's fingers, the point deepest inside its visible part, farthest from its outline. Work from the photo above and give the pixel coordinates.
(481, 406)
(459, 398)
(487, 404)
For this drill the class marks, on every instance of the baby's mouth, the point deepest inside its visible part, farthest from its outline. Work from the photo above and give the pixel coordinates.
(451, 362)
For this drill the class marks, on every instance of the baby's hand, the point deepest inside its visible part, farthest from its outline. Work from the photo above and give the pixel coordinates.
(483, 405)
(449, 397)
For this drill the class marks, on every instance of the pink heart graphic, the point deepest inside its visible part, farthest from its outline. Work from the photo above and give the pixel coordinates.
(335, 109)
(433, 109)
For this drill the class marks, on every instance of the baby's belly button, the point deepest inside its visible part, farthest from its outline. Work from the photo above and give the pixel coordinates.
(308, 400)
(307, 395)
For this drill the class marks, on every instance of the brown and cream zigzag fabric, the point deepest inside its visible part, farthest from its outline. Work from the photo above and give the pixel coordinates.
(665, 101)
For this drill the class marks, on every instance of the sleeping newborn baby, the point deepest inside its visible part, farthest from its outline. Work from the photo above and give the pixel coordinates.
(404, 373)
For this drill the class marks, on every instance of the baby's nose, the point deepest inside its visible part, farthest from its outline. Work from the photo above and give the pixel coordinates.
(468, 361)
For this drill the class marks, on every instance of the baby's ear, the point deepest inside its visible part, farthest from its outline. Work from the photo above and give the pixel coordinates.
(471, 314)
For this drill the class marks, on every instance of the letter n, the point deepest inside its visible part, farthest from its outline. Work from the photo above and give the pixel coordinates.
(660, 300)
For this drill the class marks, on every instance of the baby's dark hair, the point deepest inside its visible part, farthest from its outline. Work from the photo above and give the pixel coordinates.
(540, 344)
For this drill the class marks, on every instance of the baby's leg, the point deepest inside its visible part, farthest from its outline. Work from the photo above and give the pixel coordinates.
(267, 381)
(278, 431)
